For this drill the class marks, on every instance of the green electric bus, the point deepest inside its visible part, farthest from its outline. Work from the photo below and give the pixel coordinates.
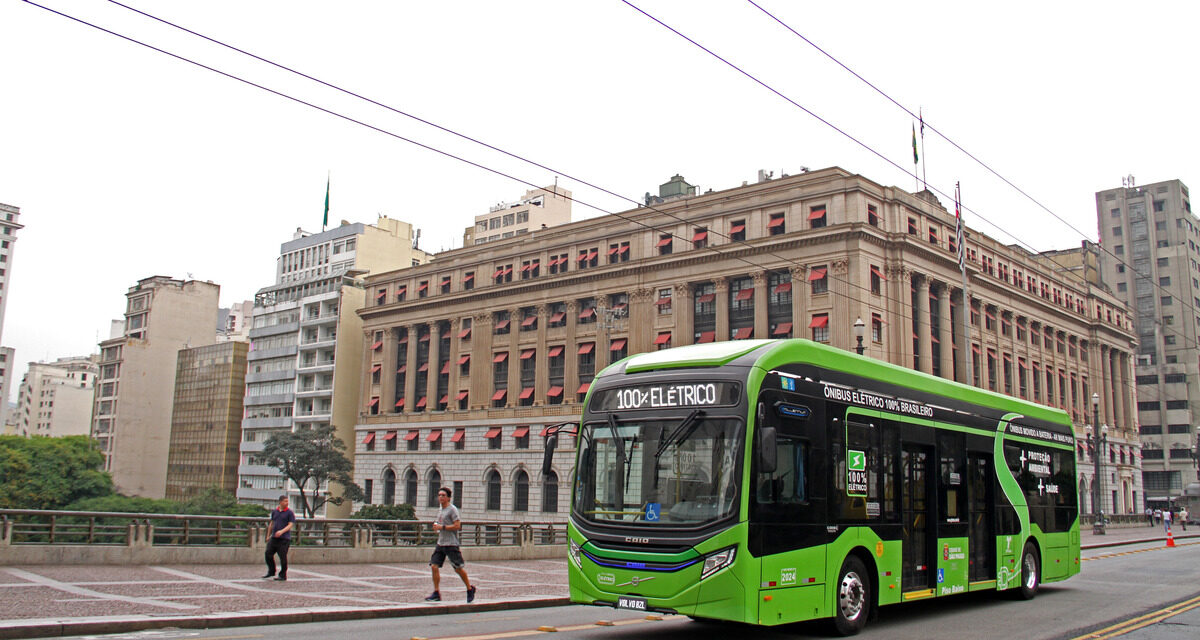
(774, 481)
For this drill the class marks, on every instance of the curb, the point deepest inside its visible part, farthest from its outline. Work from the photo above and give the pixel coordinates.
(12, 629)
(1121, 543)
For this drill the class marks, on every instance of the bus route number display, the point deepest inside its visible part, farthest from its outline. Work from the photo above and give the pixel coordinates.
(666, 396)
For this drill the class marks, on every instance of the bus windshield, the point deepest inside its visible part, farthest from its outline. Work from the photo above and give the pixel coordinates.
(652, 471)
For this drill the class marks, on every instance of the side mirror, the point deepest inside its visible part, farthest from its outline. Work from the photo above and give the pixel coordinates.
(548, 456)
(767, 451)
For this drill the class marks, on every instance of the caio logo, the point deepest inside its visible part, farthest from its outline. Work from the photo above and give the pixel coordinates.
(946, 552)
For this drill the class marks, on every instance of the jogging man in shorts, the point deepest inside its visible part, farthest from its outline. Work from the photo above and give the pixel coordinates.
(447, 525)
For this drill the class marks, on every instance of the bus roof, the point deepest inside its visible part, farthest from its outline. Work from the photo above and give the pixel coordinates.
(769, 354)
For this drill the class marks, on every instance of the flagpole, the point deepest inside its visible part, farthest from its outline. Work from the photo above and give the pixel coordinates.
(924, 160)
(916, 161)
(325, 219)
(968, 354)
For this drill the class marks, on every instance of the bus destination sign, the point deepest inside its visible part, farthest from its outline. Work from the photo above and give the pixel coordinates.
(671, 395)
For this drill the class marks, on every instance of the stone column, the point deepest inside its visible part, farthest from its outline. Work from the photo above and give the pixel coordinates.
(799, 302)
(452, 382)
(435, 347)
(481, 361)
(923, 324)
(571, 355)
(963, 346)
(761, 328)
(721, 289)
(640, 320)
(365, 384)
(387, 372)
(542, 372)
(682, 308)
(514, 358)
(410, 373)
(900, 315)
(1106, 373)
(945, 335)
(841, 317)
(1121, 381)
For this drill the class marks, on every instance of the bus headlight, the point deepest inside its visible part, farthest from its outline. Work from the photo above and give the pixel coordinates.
(714, 562)
(574, 550)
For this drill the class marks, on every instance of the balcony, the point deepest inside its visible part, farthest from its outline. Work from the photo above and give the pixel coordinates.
(266, 423)
(319, 341)
(315, 390)
(267, 376)
(325, 318)
(317, 366)
(274, 329)
(312, 416)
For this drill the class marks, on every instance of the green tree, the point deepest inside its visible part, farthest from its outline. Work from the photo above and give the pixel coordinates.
(214, 501)
(313, 457)
(386, 512)
(50, 473)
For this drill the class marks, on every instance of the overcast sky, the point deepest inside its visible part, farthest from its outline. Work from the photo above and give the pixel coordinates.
(127, 163)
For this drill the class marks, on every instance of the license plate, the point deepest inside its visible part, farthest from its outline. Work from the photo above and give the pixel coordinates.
(638, 604)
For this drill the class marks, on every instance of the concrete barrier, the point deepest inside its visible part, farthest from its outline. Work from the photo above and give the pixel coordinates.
(139, 553)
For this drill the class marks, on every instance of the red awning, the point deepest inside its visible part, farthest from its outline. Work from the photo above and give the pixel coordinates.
(412, 434)
(586, 348)
(583, 388)
(737, 228)
(402, 368)
(402, 289)
(879, 274)
(373, 402)
(445, 280)
(587, 313)
(499, 395)
(370, 438)
(700, 235)
(464, 359)
(464, 334)
(624, 248)
(469, 277)
(492, 432)
(708, 297)
(424, 367)
(782, 329)
(545, 431)
(662, 242)
(554, 352)
(403, 339)
(528, 353)
(582, 256)
(500, 357)
(400, 403)
(783, 287)
(520, 432)
(421, 402)
(381, 295)
(744, 294)
(816, 213)
(613, 250)
(975, 348)
(775, 222)
(376, 367)
(503, 324)
(445, 367)
(819, 322)
(434, 435)
(462, 395)
(526, 393)
(743, 333)
(528, 322)
(423, 286)
(663, 338)
(663, 301)
(499, 272)
(816, 274)
(558, 316)
(617, 344)
(391, 435)
(458, 435)
(554, 392)
(378, 344)
(526, 267)
(707, 336)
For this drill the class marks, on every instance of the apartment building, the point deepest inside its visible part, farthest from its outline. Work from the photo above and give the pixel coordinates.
(136, 386)
(468, 359)
(206, 419)
(55, 398)
(305, 353)
(537, 209)
(10, 217)
(1152, 261)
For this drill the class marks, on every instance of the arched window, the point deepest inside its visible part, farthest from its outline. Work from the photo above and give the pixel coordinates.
(493, 490)
(435, 483)
(521, 492)
(1085, 497)
(410, 487)
(389, 487)
(550, 493)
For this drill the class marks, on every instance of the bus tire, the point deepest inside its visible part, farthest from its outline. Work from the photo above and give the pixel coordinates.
(852, 601)
(1031, 572)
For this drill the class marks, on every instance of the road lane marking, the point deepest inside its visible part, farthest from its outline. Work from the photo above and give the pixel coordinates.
(229, 584)
(81, 591)
(353, 581)
(1145, 620)
(425, 573)
(535, 632)
(1127, 553)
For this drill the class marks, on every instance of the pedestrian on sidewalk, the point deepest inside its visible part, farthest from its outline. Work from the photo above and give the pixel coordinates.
(1167, 519)
(1157, 516)
(1150, 516)
(447, 524)
(279, 538)
(1183, 517)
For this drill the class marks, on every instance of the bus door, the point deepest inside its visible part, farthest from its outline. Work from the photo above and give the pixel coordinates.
(981, 530)
(917, 516)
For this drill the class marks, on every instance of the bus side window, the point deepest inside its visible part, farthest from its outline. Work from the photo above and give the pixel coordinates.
(788, 484)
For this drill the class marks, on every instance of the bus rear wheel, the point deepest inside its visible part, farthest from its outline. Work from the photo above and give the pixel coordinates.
(853, 604)
(1031, 572)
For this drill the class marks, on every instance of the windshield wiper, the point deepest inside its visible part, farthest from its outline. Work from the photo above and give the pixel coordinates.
(680, 432)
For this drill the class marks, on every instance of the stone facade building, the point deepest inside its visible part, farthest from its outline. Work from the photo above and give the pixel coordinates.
(468, 358)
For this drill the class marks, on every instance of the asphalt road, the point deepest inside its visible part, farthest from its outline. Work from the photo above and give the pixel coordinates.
(1121, 586)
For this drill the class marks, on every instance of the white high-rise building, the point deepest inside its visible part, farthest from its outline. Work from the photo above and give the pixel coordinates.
(9, 225)
(55, 398)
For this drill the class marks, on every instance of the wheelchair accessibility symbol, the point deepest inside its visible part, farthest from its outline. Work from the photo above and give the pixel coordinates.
(652, 511)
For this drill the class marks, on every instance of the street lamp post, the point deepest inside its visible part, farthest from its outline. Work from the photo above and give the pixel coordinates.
(860, 329)
(1099, 440)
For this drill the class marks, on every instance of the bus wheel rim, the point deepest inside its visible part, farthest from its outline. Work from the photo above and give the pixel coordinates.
(851, 596)
(1030, 571)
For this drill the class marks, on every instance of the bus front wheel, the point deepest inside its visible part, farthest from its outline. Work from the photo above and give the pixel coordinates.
(1031, 572)
(853, 604)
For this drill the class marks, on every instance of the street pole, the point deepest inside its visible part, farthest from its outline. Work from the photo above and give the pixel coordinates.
(860, 328)
(1097, 468)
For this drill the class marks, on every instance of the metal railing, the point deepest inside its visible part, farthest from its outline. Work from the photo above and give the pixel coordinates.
(34, 527)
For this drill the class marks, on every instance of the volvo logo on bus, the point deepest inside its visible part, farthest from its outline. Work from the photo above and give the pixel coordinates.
(633, 540)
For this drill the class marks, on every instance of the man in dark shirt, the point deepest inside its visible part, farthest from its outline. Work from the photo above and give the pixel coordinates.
(279, 538)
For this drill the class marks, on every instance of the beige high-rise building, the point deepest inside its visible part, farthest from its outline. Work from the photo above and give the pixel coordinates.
(504, 338)
(136, 386)
(206, 421)
(9, 225)
(305, 356)
(537, 209)
(55, 398)
(1154, 267)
